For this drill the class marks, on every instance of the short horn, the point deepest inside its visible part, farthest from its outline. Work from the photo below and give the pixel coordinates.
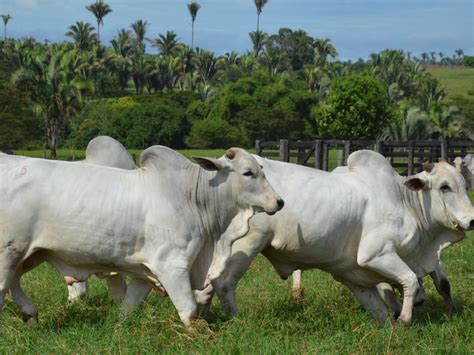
(427, 166)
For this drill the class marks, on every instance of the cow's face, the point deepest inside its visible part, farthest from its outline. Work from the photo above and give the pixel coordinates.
(246, 180)
(449, 204)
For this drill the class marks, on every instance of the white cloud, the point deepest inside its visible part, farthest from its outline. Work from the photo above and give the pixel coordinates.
(31, 4)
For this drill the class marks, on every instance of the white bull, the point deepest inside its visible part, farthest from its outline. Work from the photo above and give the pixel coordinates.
(365, 226)
(104, 151)
(168, 224)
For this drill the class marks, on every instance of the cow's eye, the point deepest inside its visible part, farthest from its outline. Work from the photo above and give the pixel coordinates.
(248, 173)
(445, 188)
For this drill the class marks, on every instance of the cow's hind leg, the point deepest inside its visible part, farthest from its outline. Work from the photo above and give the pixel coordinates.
(444, 288)
(77, 291)
(297, 291)
(27, 308)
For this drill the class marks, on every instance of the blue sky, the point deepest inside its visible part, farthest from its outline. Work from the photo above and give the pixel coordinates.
(356, 27)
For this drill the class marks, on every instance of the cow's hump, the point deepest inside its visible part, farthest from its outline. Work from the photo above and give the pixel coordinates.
(107, 151)
(162, 158)
(368, 159)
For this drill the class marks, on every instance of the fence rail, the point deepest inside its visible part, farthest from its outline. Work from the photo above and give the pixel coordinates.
(402, 155)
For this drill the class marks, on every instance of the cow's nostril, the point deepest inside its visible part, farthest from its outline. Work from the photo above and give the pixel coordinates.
(281, 203)
(471, 224)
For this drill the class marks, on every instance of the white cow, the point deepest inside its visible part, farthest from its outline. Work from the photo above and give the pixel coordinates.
(466, 167)
(105, 151)
(365, 226)
(169, 224)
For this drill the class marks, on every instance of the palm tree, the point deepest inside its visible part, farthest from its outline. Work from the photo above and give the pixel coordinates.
(259, 4)
(207, 65)
(99, 9)
(139, 27)
(193, 8)
(411, 124)
(122, 43)
(56, 93)
(259, 39)
(166, 44)
(323, 49)
(82, 34)
(5, 19)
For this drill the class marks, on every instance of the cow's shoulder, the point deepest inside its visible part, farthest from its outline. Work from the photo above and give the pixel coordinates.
(369, 160)
(162, 158)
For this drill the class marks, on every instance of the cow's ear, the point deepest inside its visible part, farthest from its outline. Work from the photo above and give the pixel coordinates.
(416, 183)
(211, 164)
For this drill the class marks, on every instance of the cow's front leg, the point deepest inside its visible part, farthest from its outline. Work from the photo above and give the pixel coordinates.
(135, 294)
(176, 281)
(392, 267)
(370, 299)
(117, 286)
(387, 293)
(204, 299)
(444, 288)
(244, 251)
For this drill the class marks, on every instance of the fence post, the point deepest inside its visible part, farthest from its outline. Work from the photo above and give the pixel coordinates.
(318, 153)
(444, 150)
(347, 150)
(410, 158)
(379, 147)
(300, 153)
(324, 155)
(284, 150)
(258, 147)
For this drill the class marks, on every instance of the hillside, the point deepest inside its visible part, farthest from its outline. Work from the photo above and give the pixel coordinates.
(458, 80)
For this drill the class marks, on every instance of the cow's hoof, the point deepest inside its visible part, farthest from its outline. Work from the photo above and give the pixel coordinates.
(30, 319)
(420, 302)
(298, 295)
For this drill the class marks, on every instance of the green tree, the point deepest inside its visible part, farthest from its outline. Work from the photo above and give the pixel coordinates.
(356, 107)
(82, 34)
(5, 19)
(167, 45)
(259, 39)
(19, 127)
(55, 94)
(139, 28)
(410, 124)
(99, 9)
(193, 8)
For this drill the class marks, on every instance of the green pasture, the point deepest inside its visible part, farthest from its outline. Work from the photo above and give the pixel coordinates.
(329, 320)
(458, 80)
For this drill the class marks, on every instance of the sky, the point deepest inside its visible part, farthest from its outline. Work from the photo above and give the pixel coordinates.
(355, 27)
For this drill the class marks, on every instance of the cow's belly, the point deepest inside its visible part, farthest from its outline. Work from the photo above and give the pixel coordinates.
(309, 244)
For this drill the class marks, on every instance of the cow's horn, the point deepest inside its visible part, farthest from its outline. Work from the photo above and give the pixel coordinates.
(427, 166)
(230, 154)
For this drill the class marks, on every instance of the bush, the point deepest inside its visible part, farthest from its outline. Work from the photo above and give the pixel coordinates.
(356, 107)
(138, 122)
(19, 128)
(214, 133)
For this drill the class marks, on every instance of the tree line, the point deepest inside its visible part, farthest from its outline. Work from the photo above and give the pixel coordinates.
(290, 85)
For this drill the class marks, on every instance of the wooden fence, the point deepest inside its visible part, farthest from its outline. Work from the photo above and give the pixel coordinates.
(404, 156)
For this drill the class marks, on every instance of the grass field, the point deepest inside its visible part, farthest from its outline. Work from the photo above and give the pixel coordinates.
(458, 80)
(329, 320)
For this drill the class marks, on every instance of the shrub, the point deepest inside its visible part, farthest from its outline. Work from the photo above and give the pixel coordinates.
(356, 107)
(19, 128)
